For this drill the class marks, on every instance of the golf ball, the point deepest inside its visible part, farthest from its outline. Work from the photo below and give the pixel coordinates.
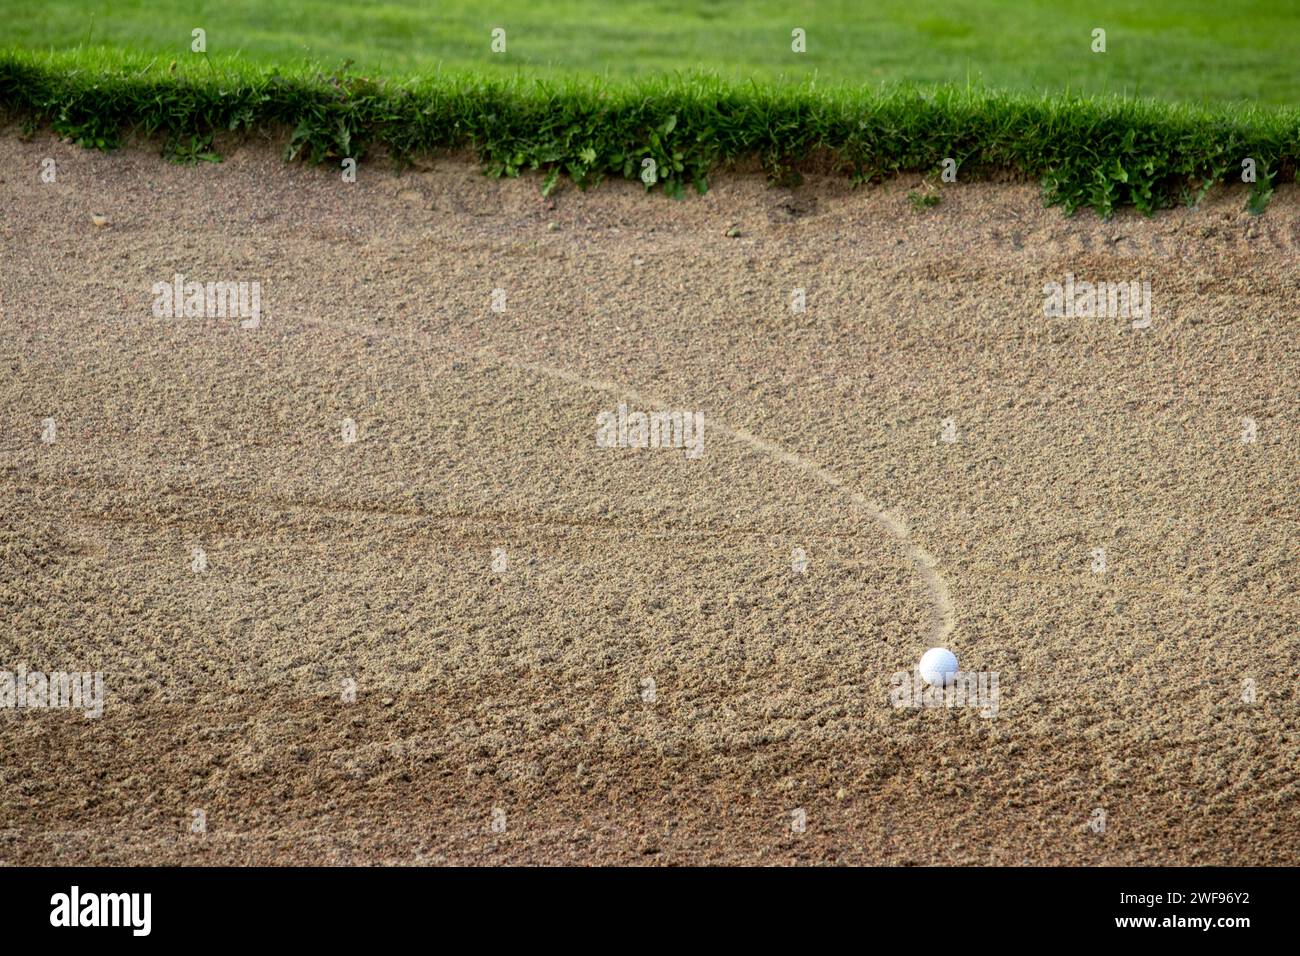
(938, 666)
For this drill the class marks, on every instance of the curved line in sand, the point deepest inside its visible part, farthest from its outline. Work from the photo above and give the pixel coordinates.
(943, 615)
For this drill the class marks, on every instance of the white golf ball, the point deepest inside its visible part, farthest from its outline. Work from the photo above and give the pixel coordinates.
(938, 666)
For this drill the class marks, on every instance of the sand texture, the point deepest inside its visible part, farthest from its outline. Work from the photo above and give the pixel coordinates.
(564, 653)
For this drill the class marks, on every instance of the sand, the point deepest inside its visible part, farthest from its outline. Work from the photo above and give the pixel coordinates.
(472, 635)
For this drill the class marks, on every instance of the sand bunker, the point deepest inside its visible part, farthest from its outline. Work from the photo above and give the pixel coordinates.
(363, 585)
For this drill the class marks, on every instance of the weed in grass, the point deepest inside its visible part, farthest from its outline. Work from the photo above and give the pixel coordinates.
(922, 201)
(1261, 191)
(189, 150)
(85, 128)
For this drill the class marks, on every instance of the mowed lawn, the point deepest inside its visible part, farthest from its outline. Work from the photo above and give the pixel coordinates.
(1198, 51)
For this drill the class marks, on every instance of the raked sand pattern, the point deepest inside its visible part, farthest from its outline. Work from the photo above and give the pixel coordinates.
(363, 587)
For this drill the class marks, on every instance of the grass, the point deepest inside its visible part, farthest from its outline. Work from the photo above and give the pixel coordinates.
(569, 97)
(1191, 51)
(1096, 152)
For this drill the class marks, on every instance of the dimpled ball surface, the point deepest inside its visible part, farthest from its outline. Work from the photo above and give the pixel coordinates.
(938, 665)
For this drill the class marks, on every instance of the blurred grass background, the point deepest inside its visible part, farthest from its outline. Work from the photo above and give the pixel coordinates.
(1189, 51)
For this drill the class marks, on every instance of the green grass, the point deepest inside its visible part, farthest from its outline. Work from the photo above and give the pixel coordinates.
(1097, 152)
(595, 90)
(1193, 51)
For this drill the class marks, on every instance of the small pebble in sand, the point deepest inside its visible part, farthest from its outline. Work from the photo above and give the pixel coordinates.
(99, 219)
